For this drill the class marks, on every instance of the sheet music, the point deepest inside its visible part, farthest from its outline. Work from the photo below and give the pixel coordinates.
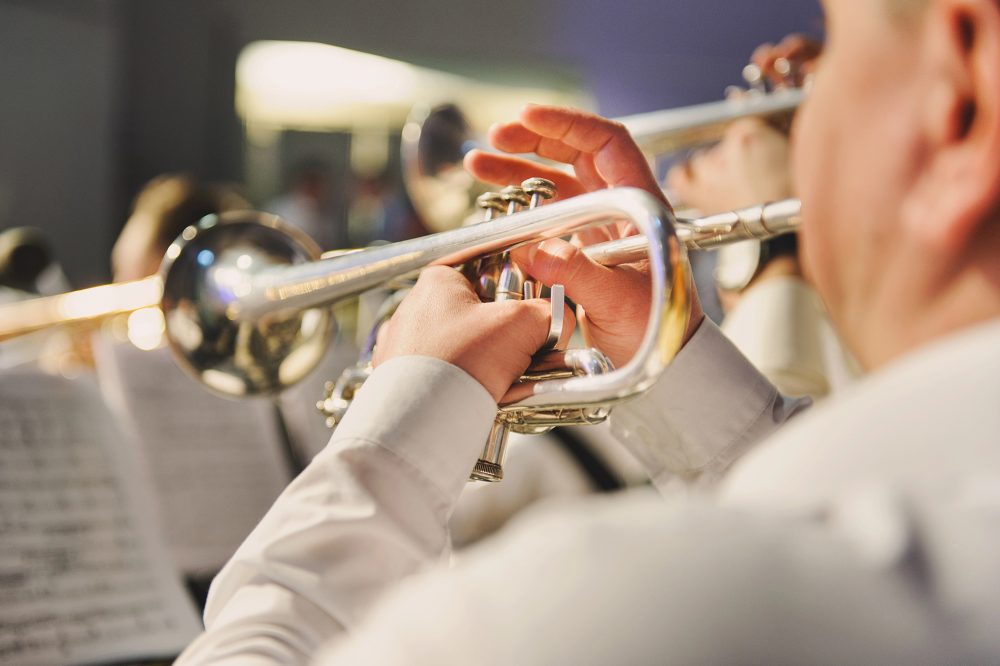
(83, 576)
(217, 464)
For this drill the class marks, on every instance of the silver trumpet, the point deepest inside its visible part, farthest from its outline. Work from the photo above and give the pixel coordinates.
(246, 298)
(243, 317)
(576, 386)
(671, 130)
(434, 142)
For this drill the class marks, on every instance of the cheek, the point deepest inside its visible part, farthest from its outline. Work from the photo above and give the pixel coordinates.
(815, 166)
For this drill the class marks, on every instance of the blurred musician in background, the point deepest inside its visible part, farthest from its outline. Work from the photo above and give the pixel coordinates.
(28, 266)
(308, 204)
(865, 531)
(28, 269)
(163, 208)
(772, 314)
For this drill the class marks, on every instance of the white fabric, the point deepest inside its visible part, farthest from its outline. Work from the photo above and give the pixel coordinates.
(781, 326)
(539, 469)
(866, 532)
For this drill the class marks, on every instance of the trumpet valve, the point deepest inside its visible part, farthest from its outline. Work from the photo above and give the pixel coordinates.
(539, 189)
(511, 282)
(786, 69)
(515, 197)
(493, 204)
(754, 76)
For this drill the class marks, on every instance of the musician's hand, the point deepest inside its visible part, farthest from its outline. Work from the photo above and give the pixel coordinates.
(800, 51)
(749, 166)
(614, 301)
(601, 152)
(443, 318)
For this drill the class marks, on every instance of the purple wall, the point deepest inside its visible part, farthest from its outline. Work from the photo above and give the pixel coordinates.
(641, 56)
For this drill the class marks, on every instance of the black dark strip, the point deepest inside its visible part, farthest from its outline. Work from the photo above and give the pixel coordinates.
(597, 471)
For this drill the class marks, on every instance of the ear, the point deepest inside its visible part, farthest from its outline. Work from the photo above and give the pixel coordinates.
(959, 189)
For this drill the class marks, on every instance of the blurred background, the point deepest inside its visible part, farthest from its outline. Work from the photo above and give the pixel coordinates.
(303, 103)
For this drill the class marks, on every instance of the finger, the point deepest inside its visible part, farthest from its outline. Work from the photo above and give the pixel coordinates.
(516, 138)
(799, 47)
(594, 235)
(798, 50)
(521, 390)
(617, 158)
(556, 261)
(764, 57)
(588, 174)
(531, 318)
(510, 170)
(439, 280)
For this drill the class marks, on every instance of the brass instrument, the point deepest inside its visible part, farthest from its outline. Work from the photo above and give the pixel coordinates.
(245, 301)
(435, 142)
(577, 387)
(662, 132)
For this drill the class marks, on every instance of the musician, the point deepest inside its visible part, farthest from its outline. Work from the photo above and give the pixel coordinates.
(164, 207)
(772, 314)
(863, 532)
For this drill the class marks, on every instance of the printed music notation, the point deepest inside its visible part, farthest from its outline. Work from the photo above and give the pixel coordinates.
(82, 575)
(216, 464)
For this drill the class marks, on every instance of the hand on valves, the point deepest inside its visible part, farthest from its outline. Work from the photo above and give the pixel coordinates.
(614, 302)
(443, 317)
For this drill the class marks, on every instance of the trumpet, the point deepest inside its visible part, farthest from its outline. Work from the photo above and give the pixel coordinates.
(246, 300)
(578, 387)
(435, 142)
(671, 130)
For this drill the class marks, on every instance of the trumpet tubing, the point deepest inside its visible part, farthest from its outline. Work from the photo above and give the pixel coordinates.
(753, 223)
(671, 130)
(432, 158)
(208, 293)
(78, 307)
(496, 277)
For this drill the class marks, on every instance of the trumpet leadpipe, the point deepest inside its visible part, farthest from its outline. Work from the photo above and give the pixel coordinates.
(328, 280)
(753, 223)
(663, 132)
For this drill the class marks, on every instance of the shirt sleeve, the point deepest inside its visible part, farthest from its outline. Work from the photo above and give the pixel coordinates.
(624, 581)
(371, 509)
(710, 406)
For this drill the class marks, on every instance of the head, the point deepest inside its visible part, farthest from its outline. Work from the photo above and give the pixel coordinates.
(161, 211)
(896, 160)
(25, 254)
(311, 179)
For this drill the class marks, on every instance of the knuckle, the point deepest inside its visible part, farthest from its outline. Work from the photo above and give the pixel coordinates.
(617, 127)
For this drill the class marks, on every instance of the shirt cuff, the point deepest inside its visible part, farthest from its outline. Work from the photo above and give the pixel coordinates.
(429, 413)
(709, 406)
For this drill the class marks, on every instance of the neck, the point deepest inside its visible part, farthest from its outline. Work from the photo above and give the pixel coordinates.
(943, 302)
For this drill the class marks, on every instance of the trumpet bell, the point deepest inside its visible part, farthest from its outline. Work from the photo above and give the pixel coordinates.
(205, 273)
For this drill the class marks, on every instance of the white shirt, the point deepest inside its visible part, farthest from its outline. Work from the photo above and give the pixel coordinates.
(866, 531)
(781, 326)
(539, 468)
